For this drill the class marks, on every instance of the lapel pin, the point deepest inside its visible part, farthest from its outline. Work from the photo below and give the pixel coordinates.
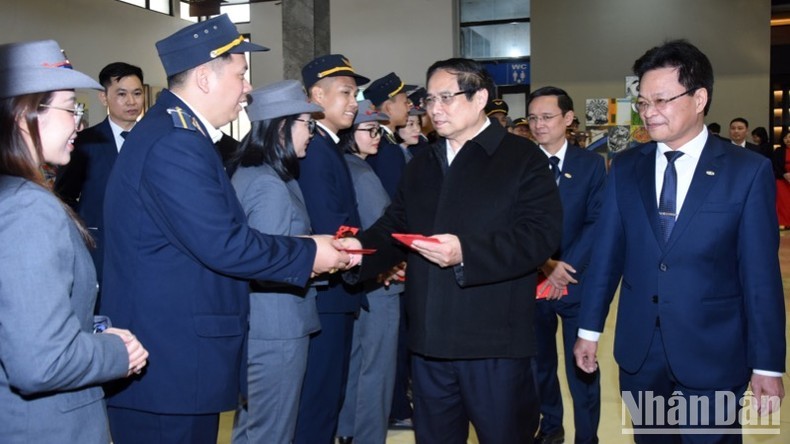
(568, 175)
(710, 173)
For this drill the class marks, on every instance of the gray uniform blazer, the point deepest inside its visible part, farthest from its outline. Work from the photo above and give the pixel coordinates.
(273, 206)
(50, 361)
(372, 201)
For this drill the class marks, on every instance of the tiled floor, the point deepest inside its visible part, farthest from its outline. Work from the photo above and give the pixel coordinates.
(611, 422)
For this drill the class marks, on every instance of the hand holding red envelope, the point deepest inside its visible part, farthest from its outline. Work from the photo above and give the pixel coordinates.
(407, 239)
(544, 288)
(345, 231)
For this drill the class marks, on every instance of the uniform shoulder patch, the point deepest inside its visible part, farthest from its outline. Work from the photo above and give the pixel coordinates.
(183, 120)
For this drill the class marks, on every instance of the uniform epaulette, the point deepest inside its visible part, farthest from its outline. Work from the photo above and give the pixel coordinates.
(182, 119)
(391, 138)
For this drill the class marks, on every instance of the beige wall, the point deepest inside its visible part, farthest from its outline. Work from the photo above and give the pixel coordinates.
(93, 33)
(585, 47)
(404, 36)
(589, 47)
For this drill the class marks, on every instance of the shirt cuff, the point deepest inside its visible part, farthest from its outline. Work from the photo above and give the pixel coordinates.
(589, 335)
(767, 373)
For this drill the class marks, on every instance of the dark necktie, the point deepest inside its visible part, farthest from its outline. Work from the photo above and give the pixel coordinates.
(667, 200)
(554, 163)
(407, 155)
(124, 134)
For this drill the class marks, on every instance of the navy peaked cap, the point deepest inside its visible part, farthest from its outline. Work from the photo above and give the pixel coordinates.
(202, 42)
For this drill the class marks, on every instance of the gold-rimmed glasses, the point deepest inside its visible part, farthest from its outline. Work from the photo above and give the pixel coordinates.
(543, 118)
(78, 111)
(641, 105)
(446, 98)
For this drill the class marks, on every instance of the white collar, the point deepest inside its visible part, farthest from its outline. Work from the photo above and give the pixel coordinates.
(213, 133)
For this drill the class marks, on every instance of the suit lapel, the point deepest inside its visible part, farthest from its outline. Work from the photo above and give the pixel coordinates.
(701, 184)
(646, 173)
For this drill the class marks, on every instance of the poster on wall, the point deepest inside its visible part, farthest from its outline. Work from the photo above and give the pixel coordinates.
(631, 87)
(600, 111)
(613, 124)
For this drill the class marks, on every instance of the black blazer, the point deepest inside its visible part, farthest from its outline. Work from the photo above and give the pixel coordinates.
(499, 197)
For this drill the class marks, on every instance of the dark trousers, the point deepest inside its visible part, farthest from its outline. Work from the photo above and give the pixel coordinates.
(401, 404)
(325, 379)
(498, 396)
(655, 379)
(129, 426)
(585, 388)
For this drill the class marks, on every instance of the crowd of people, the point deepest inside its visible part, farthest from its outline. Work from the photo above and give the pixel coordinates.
(408, 256)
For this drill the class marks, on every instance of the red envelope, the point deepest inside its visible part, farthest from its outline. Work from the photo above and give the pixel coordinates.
(407, 239)
(543, 289)
(345, 231)
(359, 251)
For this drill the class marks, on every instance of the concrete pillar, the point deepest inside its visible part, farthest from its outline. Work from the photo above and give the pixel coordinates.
(305, 34)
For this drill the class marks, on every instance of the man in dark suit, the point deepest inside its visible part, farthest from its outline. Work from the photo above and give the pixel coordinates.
(489, 202)
(580, 175)
(739, 129)
(179, 249)
(388, 95)
(688, 222)
(328, 191)
(82, 182)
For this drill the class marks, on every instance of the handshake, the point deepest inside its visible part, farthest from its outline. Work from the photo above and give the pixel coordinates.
(341, 252)
(331, 254)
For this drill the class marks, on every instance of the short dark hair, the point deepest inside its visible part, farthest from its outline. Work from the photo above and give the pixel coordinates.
(714, 128)
(116, 71)
(472, 76)
(694, 68)
(179, 78)
(347, 142)
(564, 101)
(268, 142)
(762, 133)
(740, 119)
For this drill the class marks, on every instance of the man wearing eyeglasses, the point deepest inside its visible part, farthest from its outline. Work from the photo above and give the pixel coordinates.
(688, 223)
(489, 203)
(331, 202)
(580, 176)
(83, 181)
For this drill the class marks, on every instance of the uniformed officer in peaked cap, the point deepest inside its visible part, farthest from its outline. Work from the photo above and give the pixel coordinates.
(388, 95)
(179, 251)
(331, 202)
(497, 109)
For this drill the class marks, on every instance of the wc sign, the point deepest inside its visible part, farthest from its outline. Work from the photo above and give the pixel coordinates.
(505, 73)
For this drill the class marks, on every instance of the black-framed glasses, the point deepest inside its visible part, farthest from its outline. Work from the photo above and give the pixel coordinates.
(78, 111)
(310, 125)
(374, 131)
(641, 105)
(543, 118)
(446, 98)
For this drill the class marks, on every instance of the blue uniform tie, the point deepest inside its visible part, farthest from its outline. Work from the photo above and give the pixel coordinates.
(554, 164)
(667, 201)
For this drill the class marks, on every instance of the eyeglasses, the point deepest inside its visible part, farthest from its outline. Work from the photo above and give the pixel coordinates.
(543, 118)
(641, 105)
(310, 125)
(374, 131)
(78, 111)
(446, 98)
